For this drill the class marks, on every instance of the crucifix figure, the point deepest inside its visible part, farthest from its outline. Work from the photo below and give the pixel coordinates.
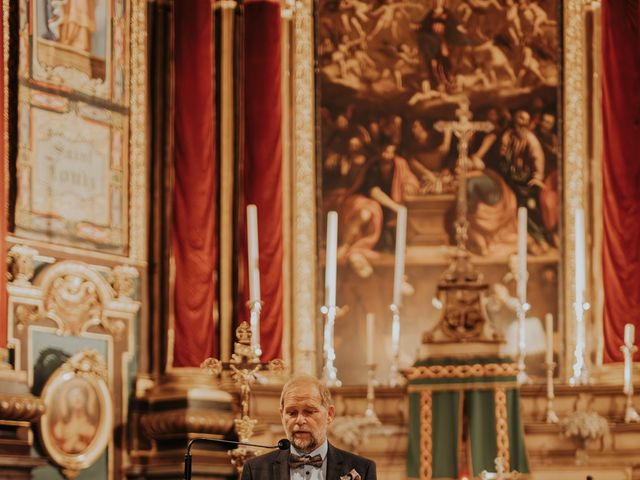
(243, 367)
(463, 129)
(461, 289)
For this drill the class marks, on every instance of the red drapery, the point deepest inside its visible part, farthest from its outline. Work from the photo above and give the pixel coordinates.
(263, 160)
(621, 170)
(195, 234)
(3, 201)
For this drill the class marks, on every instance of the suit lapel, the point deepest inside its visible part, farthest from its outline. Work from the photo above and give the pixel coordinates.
(280, 468)
(334, 463)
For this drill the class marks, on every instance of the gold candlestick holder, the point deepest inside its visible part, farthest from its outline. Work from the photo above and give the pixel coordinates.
(630, 413)
(370, 412)
(551, 416)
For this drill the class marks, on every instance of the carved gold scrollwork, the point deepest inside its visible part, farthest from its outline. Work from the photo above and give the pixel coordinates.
(123, 281)
(426, 433)
(21, 264)
(73, 301)
(25, 314)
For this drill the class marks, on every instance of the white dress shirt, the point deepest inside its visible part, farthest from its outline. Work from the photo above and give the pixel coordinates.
(308, 472)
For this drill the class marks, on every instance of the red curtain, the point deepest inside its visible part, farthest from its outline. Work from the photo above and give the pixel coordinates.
(621, 165)
(195, 218)
(3, 201)
(263, 161)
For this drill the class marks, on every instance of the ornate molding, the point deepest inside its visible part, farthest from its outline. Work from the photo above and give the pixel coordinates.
(304, 226)
(22, 264)
(21, 408)
(122, 280)
(426, 435)
(462, 371)
(502, 428)
(73, 301)
(138, 132)
(158, 424)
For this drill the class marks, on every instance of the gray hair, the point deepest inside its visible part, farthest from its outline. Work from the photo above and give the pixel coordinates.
(301, 379)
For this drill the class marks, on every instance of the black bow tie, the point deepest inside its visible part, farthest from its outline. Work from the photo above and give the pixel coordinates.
(296, 462)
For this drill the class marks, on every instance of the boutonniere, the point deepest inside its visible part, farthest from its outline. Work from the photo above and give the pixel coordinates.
(352, 475)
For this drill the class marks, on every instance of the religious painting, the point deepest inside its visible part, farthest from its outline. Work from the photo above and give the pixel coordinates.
(72, 44)
(72, 180)
(76, 428)
(393, 77)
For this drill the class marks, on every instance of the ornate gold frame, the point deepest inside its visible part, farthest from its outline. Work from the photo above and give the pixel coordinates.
(88, 366)
(575, 104)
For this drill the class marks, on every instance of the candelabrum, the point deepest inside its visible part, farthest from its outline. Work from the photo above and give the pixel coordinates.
(630, 413)
(329, 372)
(551, 416)
(522, 343)
(370, 412)
(395, 378)
(255, 307)
(243, 367)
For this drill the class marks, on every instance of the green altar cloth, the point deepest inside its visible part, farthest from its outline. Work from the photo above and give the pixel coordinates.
(445, 393)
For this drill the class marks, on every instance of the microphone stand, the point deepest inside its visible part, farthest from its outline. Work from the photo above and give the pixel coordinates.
(282, 444)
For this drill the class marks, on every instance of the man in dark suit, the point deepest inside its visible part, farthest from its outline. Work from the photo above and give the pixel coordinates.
(307, 412)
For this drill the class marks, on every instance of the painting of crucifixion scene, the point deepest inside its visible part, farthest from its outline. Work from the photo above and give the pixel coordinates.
(393, 79)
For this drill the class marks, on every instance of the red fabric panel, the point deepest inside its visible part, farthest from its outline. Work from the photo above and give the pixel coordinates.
(263, 160)
(621, 172)
(3, 202)
(195, 233)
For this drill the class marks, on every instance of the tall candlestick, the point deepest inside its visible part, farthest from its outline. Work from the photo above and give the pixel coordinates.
(398, 273)
(252, 250)
(254, 277)
(580, 368)
(331, 259)
(548, 320)
(629, 334)
(522, 255)
(395, 335)
(370, 334)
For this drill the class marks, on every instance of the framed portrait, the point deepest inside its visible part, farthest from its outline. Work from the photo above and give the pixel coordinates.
(392, 79)
(76, 428)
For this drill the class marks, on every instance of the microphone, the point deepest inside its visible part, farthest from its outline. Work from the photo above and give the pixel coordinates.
(283, 444)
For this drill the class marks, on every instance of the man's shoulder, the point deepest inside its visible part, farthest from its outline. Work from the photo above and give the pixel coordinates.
(349, 456)
(266, 458)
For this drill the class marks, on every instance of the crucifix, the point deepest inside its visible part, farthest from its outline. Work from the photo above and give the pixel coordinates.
(463, 316)
(243, 368)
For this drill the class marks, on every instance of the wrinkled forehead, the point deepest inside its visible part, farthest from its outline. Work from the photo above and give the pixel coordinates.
(302, 395)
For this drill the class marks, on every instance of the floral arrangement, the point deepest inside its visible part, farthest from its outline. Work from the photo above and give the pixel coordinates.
(585, 426)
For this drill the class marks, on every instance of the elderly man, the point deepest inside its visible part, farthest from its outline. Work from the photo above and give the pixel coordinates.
(306, 411)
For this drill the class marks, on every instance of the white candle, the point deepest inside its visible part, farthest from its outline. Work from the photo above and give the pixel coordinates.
(629, 334)
(522, 255)
(580, 258)
(370, 334)
(548, 321)
(395, 335)
(252, 248)
(401, 240)
(331, 259)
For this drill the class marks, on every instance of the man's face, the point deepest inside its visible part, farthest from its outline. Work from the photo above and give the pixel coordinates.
(389, 153)
(304, 418)
(547, 122)
(522, 120)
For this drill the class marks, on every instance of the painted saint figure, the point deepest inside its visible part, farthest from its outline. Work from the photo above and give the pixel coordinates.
(78, 24)
(76, 428)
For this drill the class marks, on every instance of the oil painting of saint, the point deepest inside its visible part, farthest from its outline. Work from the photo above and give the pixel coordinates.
(75, 419)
